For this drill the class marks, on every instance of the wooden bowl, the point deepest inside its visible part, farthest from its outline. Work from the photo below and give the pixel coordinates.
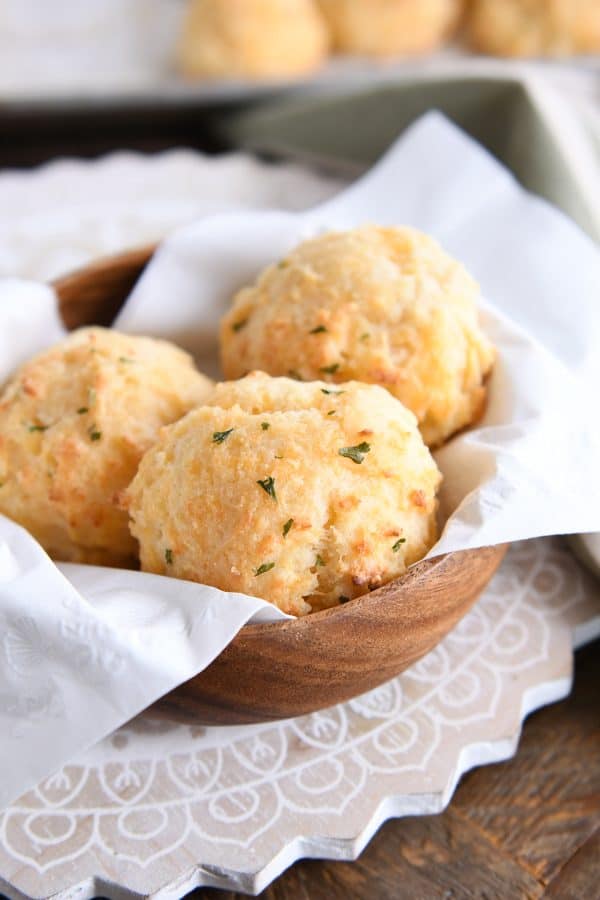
(289, 668)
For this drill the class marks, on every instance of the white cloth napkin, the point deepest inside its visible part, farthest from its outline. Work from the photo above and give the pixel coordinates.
(29, 322)
(83, 649)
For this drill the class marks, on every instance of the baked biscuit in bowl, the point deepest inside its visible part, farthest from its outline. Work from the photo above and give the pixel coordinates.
(74, 423)
(385, 306)
(301, 494)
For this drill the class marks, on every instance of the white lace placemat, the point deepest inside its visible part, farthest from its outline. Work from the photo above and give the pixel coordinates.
(162, 807)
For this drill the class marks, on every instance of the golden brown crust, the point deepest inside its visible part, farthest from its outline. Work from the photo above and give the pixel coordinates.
(252, 39)
(381, 305)
(287, 491)
(389, 27)
(535, 27)
(74, 423)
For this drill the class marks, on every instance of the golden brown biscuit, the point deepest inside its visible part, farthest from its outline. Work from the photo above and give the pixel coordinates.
(535, 27)
(381, 305)
(303, 494)
(389, 27)
(252, 39)
(74, 424)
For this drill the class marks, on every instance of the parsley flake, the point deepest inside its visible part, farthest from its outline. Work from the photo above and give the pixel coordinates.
(319, 561)
(82, 410)
(286, 527)
(126, 359)
(94, 434)
(364, 337)
(331, 412)
(398, 544)
(335, 393)
(268, 485)
(320, 329)
(343, 599)
(266, 567)
(265, 426)
(237, 326)
(39, 427)
(220, 436)
(357, 453)
(330, 370)
(169, 556)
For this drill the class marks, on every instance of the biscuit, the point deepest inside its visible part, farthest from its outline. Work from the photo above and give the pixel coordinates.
(303, 494)
(381, 305)
(389, 27)
(535, 27)
(252, 39)
(74, 424)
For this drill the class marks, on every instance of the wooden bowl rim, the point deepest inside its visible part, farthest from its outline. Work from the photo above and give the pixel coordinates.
(140, 257)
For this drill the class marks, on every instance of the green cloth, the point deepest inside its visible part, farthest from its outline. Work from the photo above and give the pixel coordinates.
(355, 126)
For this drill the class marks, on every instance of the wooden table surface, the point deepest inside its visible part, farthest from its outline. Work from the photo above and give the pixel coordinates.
(526, 828)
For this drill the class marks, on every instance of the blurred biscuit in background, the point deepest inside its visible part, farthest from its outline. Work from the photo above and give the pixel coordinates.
(534, 27)
(390, 27)
(252, 39)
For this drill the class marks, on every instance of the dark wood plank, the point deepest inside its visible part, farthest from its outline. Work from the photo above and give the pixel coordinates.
(417, 859)
(527, 828)
(432, 858)
(546, 805)
(580, 877)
